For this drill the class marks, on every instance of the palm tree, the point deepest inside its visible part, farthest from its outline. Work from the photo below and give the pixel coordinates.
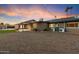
(67, 9)
(1, 25)
(55, 17)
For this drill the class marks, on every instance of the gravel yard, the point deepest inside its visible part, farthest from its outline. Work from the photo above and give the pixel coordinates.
(39, 42)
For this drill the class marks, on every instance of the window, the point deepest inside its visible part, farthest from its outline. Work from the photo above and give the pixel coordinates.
(72, 25)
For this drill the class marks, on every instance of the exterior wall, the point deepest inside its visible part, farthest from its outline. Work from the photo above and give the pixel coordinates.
(73, 29)
(35, 25)
(23, 27)
(54, 25)
(70, 26)
(3, 27)
(17, 26)
(42, 26)
(29, 27)
(57, 25)
(62, 25)
(51, 25)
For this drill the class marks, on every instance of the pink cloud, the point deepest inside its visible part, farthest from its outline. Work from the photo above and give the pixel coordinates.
(30, 13)
(36, 12)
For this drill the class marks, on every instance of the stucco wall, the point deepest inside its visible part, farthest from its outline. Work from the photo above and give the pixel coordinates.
(29, 27)
(35, 25)
(51, 25)
(42, 26)
(17, 26)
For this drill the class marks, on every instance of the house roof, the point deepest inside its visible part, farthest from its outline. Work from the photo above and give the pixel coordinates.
(32, 21)
(63, 20)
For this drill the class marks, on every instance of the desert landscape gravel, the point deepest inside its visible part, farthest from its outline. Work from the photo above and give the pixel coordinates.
(39, 43)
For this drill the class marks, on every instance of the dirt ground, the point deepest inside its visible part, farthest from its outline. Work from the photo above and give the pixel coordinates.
(39, 43)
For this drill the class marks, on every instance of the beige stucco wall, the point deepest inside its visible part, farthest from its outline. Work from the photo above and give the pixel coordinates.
(35, 25)
(29, 27)
(17, 26)
(21, 26)
(42, 26)
(53, 25)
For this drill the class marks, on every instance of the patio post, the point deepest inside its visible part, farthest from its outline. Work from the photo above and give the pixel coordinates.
(65, 26)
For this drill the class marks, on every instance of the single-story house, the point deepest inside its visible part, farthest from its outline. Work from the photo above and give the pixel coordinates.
(32, 25)
(70, 24)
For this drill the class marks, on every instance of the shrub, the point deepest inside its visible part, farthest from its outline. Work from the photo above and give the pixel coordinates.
(46, 29)
(35, 29)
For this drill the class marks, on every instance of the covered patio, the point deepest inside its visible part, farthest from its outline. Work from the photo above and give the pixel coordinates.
(65, 24)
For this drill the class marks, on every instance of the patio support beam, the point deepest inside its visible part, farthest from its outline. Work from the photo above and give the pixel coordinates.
(78, 25)
(64, 25)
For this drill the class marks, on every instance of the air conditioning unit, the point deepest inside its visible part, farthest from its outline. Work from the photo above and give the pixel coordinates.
(61, 29)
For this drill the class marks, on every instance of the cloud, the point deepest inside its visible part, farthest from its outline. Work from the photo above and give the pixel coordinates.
(11, 13)
(33, 12)
(36, 12)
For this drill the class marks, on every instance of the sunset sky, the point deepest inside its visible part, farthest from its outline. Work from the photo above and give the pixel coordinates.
(17, 13)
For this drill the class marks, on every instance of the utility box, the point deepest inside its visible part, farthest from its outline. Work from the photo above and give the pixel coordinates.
(53, 29)
(62, 29)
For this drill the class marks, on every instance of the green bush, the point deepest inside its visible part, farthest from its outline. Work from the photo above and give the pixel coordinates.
(35, 29)
(46, 29)
(7, 31)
